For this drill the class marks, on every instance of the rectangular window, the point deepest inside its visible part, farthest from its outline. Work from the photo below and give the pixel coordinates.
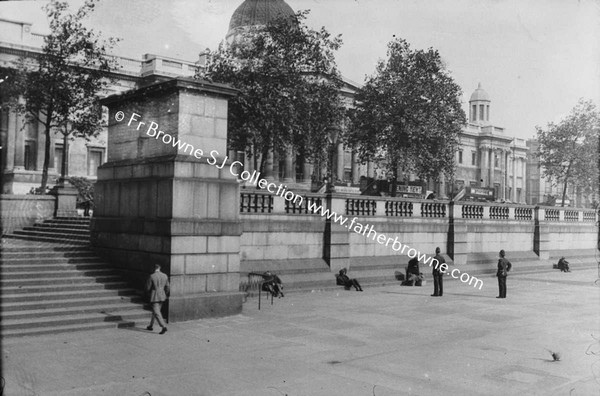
(95, 158)
(487, 113)
(29, 159)
(495, 161)
(58, 158)
(460, 157)
(481, 111)
(474, 158)
(474, 113)
(518, 195)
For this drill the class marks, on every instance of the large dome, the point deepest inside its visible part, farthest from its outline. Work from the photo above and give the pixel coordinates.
(258, 12)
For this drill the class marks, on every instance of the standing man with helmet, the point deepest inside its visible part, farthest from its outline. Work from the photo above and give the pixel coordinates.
(438, 275)
(503, 267)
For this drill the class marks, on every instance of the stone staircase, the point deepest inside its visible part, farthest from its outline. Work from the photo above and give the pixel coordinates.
(51, 281)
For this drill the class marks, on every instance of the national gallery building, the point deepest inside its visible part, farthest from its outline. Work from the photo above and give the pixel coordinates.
(488, 157)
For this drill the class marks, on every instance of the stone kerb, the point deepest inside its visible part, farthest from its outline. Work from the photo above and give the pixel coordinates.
(160, 203)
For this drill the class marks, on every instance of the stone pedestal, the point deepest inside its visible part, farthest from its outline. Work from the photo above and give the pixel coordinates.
(159, 202)
(66, 201)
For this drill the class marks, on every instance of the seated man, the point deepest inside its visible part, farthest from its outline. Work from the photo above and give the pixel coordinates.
(563, 265)
(272, 284)
(413, 275)
(344, 280)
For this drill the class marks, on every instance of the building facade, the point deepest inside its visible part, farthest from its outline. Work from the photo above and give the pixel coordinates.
(488, 156)
(22, 153)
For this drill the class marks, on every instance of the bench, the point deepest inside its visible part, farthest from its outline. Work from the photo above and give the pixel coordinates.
(254, 283)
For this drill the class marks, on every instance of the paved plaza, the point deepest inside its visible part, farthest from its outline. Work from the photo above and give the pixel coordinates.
(388, 340)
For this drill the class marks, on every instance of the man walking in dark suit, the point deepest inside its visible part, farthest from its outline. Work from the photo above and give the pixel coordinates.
(158, 290)
(438, 275)
(503, 267)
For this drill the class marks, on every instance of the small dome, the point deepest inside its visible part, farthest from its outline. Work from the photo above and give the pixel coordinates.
(258, 12)
(479, 94)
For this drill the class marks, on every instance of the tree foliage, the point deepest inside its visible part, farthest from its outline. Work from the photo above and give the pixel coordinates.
(568, 151)
(288, 86)
(59, 90)
(408, 115)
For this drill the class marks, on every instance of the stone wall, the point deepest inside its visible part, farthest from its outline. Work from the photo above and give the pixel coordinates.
(18, 211)
(274, 232)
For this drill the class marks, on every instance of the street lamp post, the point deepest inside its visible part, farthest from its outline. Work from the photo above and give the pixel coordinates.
(333, 135)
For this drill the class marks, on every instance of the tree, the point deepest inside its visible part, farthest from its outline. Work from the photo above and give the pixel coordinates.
(59, 90)
(288, 86)
(408, 116)
(568, 150)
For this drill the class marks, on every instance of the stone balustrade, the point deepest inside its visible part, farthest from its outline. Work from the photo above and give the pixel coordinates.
(261, 202)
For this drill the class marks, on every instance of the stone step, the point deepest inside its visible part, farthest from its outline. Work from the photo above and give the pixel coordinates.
(31, 275)
(64, 241)
(53, 264)
(74, 321)
(63, 281)
(69, 302)
(54, 226)
(62, 311)
(64, 287)
(59, 230)
(64, 294)
(63, 235)
(14, 256)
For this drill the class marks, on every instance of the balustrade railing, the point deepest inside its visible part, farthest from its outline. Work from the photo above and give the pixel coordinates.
(398, 209)
(256, 203)
(472, 211)
(263, 203)
(552, 214)
(499, 212)
(589, 216)
(292, 207)
(361, 207)
(523, 213)
(433, 209)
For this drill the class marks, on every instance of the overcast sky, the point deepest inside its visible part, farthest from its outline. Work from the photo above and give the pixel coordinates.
(534, 58)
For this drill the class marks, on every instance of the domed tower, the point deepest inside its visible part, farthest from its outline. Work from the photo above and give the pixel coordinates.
(479, 107)
(256, 13)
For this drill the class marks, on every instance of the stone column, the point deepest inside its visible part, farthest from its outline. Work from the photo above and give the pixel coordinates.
(355, 176)
(513, 198)
(289, 173)
(19, 142)
(340, 162)
(370, 169)
(484, 164)
(9, 125)
(269, 166)
(173, 205)
(306, 172)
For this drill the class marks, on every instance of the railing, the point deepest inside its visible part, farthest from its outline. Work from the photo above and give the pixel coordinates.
(292, 207)
(398, 209)
(360, 207)
(472, 211)
(260, 202)
(589, 216)
(499, 212)
(551, 214)
(433, 209)
(256, 203)
(523, 213)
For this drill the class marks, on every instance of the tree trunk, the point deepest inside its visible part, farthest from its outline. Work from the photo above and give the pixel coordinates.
(46, 158)
(394, 179)
(562, 204)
